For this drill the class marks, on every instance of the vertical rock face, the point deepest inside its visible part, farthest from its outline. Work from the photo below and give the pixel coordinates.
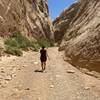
(81, 39)
(30, 17)
(62, 23)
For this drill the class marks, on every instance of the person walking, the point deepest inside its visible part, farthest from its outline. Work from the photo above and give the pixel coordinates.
(43, 58)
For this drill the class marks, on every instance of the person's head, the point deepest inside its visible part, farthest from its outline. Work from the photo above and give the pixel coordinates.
(43, 47)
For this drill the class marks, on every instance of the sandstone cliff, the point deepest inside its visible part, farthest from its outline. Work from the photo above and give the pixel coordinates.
(81, 40)
(30, 17)
(62, 23)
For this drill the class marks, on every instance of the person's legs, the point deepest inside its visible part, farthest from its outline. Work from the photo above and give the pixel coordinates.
(42, 65)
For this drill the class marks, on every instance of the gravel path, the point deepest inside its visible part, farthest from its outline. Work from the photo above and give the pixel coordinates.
(20, 80)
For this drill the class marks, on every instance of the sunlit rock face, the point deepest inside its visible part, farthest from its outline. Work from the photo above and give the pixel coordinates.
(30, 17)
(81, 35)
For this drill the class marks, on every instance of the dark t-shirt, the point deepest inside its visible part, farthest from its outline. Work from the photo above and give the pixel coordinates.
(43, 56)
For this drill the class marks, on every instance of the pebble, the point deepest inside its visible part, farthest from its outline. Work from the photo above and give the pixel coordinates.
(27, 89)
(8, 78)
(87, 88)
(13, 59)
(35, 63)
(13, 75)
(51, 86)
(24, 66)
(2, 71)
(3, 84)
(19, 69)
(58, 76)
(71, 71)
(90, 73)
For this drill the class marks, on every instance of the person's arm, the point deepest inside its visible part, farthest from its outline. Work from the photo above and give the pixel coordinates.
(40, 50)
(48, 56)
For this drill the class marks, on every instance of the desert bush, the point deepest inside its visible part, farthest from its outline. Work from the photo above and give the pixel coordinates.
(13, 51)
(45, 42)
(34, 46)
(11, 42)
(18, 42)
(23, 41)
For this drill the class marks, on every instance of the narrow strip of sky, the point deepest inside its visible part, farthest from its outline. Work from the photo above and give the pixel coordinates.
(57, 6)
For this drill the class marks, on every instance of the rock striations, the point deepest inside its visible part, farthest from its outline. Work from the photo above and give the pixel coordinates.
(30, 17)
(62, 23)
(79, 27)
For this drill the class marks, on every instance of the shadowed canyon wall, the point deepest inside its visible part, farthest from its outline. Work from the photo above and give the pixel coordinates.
(78, 30)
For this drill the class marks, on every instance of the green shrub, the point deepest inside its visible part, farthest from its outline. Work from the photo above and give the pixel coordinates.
(18, 42)
(51, 43)
(23, 41)
(45, 42)
(35, 46)
(11, 42)
(13, 51)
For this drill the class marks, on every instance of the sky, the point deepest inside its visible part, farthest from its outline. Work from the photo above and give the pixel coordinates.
(57, 6)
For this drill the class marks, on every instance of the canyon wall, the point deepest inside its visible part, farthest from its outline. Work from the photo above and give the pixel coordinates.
(30, 17)
(81, 33)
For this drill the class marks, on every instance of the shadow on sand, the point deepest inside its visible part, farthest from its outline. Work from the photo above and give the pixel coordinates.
(38, 71)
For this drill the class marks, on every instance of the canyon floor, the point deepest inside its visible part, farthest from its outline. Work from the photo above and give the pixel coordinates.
(21, 79)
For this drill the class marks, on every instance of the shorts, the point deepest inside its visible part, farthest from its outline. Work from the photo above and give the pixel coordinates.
(43, 59)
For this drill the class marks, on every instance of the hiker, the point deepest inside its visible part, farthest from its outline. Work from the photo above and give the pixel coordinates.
(43, 58)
